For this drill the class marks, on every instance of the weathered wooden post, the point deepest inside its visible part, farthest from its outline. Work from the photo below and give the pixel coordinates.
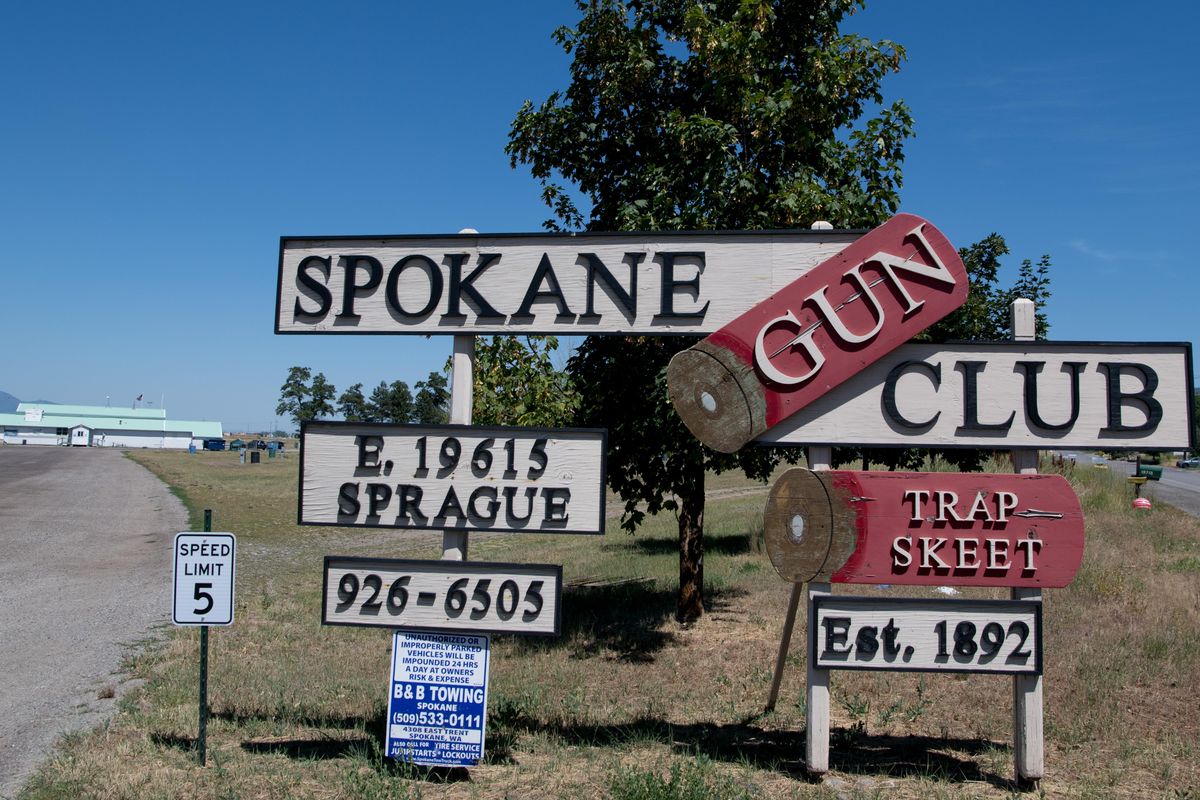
(816, 713)
(462, 401)
(1028, 751)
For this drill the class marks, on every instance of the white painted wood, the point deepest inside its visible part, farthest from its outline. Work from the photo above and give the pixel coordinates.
(556, 485)
(816, 711)
(1022, 316)
(739, 270)
(926, 631)
(854, 413)
(529, 606)
(816, 707)
(1029, 760)
(455, 544)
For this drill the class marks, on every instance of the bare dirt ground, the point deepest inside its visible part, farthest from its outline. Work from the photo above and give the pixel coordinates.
(85, 573)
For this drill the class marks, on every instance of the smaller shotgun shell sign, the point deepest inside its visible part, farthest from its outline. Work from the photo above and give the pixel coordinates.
(816, 332)
(924, 528)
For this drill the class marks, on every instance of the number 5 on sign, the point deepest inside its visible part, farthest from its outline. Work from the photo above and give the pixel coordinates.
(204, 578)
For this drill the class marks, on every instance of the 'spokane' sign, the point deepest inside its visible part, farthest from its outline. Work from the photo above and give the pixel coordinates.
(660, 282)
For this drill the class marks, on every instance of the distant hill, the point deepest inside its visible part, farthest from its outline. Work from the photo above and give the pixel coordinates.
(8, 403)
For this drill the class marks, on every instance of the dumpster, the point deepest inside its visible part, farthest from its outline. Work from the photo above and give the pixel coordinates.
(255, 456)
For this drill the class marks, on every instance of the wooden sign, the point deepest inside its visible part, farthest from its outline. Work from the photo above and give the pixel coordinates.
(452, 477)
(816, 332)
(567, 284)
(475, 596)
(927, 635)
(1048, 395)
(924, 528)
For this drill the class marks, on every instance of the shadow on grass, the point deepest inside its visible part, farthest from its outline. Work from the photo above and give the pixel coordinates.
(783, 751)
(309, 748)
(630, 621)
(729, 544)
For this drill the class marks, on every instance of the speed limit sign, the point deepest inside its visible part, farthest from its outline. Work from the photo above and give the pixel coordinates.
(204, 577)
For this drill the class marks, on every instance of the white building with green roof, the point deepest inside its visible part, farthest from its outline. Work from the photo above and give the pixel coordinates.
(101, 426)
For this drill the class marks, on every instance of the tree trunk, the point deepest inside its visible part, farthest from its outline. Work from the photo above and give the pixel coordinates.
(691, 549)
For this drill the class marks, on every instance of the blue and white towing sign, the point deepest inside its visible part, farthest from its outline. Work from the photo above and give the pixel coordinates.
(437, 705)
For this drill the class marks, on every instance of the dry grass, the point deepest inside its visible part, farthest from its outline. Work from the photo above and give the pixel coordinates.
(625, 693)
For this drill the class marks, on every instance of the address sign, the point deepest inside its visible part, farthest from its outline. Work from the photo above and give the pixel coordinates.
(460, 477)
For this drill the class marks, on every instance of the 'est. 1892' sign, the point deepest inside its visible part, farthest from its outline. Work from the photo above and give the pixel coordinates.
(438, 477)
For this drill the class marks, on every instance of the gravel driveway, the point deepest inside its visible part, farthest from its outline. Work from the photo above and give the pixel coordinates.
(85, 572)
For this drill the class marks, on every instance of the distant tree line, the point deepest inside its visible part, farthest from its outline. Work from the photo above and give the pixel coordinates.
(305, 396)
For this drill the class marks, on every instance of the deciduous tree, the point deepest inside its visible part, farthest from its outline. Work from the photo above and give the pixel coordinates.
(734, 114)
(517, 383)
(432, 403)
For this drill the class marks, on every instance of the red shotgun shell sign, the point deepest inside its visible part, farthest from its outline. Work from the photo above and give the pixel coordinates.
(816, 332)
(924, 528)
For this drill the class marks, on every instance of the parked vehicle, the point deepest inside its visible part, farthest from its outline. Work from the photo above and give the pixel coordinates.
(214, 444)
(257, 444)
(1190, 463)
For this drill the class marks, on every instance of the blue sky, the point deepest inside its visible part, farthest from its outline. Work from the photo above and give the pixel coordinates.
(151, 154)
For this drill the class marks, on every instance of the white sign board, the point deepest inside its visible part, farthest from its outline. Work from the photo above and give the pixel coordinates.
(204, 573)
(927, 635)
(437, 698)
(456, 477)
(570, 284)
(1046, 395)
(477, 596)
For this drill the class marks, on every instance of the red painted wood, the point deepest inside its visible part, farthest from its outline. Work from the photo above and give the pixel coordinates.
(1018, 536)
(897, 237)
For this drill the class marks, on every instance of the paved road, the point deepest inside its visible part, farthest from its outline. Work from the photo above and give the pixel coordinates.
(85, 571)
(1177, 487)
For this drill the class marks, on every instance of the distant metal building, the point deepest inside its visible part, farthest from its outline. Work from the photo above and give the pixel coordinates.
(101, 426)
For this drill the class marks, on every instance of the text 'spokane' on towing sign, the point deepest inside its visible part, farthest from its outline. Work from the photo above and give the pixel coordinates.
(459, 477)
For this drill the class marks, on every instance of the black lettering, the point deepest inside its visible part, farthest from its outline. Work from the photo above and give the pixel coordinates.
(351, 290)
(666, 302)
(378, 496)
(596, 269)
(368, 448)
(889, 393)
(1117, 398)
(305, 279)
(867, 641)
(971, 423)
(837, 632)
(392, 290)
(1031, 370)
(348, 504)
(510, 493)
(451, 507)
(556, 504)
(410, 504)
(544, 274)
(493, 504)
(890, 647)
(460, 286)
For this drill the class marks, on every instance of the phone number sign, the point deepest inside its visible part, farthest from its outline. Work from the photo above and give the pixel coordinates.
(437, 701)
